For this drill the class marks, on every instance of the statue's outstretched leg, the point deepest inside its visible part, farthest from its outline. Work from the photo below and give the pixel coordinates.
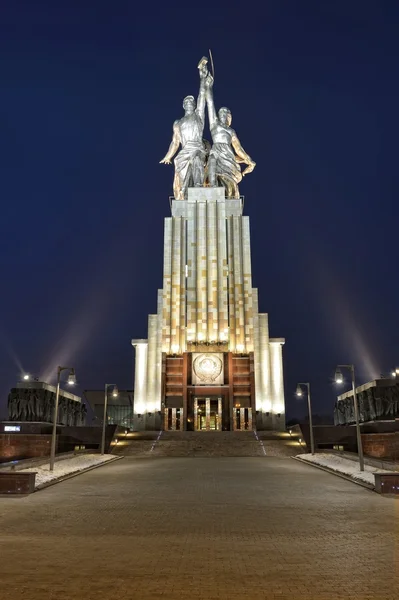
(177, 188)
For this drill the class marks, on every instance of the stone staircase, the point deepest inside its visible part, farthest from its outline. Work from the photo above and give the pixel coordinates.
(137, 444)
(206, 444)
(281, 444)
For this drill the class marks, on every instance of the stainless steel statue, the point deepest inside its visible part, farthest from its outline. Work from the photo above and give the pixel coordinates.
(190, 162)
(223, 165)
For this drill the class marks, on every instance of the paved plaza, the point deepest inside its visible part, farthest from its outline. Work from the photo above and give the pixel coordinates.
(221, 528)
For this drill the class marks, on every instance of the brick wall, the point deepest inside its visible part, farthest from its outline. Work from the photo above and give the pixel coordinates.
(18, 446)
(381, 445)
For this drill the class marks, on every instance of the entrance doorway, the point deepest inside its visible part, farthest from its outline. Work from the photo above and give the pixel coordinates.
(173, 419)
(242, 419)
(207, 414)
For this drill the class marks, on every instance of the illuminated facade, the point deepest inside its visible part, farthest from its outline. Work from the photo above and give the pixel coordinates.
(208, 362)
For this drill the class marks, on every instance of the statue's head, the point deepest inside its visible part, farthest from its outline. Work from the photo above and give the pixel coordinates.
(189, 104)
(225, 116)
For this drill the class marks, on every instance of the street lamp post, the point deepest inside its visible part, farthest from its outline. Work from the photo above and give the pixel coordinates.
(299, 393)
(71, 381)
(339, 379)
(115, 394)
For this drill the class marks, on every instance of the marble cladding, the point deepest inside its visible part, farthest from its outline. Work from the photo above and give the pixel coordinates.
(257, 366)
(207, 299)
(207, 291)
(140, 376)
(219, 422)
(276, 376)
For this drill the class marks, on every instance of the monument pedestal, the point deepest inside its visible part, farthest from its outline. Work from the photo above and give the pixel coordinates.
(208, 362)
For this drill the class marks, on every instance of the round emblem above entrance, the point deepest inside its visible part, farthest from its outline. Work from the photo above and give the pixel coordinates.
(207, 367)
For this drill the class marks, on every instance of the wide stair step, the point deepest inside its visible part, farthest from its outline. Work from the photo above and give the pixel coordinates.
(205, 444)
(138, 444)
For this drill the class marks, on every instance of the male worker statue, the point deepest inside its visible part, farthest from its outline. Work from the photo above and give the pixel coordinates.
(190, 161)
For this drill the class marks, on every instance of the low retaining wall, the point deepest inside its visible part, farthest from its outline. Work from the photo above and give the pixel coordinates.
(15, 482)
(381, 445)
(17, 446)
(21, 445)
(387, 483)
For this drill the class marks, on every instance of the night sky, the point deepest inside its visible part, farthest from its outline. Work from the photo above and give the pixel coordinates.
(89, 93)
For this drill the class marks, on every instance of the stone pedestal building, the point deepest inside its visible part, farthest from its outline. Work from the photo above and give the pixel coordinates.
(208, 362)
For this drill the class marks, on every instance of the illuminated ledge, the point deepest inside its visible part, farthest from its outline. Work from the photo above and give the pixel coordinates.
(203, 347)
(137, 342)
(41, 385)
(366, 386)
(277, 341)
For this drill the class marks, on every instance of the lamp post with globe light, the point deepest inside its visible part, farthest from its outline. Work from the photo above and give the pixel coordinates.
(339, 379)
(115, 395)
(71, 381)
(299, 393)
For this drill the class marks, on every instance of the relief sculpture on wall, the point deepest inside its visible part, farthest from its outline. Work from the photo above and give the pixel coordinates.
(208, 369)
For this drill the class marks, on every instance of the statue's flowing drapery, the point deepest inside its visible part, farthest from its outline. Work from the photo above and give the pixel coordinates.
(183, 165)
(226, 162)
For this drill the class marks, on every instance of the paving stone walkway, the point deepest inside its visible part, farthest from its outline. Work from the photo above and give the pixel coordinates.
(199, 529)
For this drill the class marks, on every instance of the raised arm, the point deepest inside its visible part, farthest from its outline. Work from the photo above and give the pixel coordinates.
(173, 145)
(200, 110)
(209, 100)
(242, 155)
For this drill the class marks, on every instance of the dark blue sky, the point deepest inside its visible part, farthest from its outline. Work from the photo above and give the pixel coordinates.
(89, 93)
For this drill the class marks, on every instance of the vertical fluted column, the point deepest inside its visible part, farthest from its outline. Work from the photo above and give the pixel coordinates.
(202, 304)
(242, 419)
(232, 309)
(264, 359)
(277, 382)
(158, 358)
(140, 381)
(247, 285)
(223, 308)
(212, 281)
(235, 419)
(208, 414)
(238, 285)
(256, 338)
(167, 285)
(176, 278)
(165, 419)
(191, 272)
(173, 419)
(151, 363)
(183, 261)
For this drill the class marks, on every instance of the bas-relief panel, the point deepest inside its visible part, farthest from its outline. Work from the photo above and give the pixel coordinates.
(208, 369)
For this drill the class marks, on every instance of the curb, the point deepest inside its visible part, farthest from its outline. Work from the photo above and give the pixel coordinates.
(76, 473)
(367, 486)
